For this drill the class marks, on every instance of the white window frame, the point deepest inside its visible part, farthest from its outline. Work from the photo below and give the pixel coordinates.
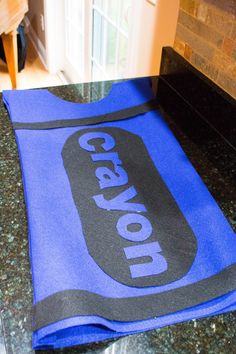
(71, 73)
(143, 56)
(119, 30)
(54, 34)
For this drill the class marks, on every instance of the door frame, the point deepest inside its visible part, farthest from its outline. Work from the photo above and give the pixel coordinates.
(71, 74)
(158, 16)
(54, 34)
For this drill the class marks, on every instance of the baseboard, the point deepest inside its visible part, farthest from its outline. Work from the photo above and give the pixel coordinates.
(64, 79)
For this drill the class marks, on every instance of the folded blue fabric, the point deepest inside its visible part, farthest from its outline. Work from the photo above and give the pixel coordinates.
(124, 236)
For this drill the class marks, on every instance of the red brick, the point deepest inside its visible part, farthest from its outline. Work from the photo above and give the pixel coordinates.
(226, 6)
(187, 52)
(228, 46)
(202, 12)
(225, 63)
(179, 46)
(220, 21)
(227, 83)
(205, 66)
(233, 55)
(201, 29)
(233, 32)
(195, 42)
(189, 6)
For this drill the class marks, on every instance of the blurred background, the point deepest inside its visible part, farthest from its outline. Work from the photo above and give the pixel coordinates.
(72, 41)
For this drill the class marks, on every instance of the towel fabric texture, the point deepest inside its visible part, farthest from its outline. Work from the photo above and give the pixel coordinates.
(123, 234)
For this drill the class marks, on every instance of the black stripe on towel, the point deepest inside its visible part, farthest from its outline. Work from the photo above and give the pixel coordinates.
(70, 303)
(108, 117)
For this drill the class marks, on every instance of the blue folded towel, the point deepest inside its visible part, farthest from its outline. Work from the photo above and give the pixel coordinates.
(123, 234)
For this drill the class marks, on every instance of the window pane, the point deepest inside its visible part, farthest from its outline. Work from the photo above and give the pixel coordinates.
(110, 37)
(124, 14)
(78, 53)
(111, 47)
(113, 11)
(97, 36)
(97, 74)
(102, 4)
(122, 55)
(97, 3)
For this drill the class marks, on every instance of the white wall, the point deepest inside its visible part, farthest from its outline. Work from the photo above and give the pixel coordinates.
(35, 27)
(156, 29)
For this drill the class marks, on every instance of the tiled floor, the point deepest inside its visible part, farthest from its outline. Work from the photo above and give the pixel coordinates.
(33, 75)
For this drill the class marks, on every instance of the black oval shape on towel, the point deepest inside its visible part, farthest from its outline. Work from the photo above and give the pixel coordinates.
(105, 245)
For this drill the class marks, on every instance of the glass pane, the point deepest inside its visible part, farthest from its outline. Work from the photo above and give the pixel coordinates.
(113, 11)
(97, 3)
(125, 13)
(122, 56)
(101, 4)
(97, 36)
(78, 53)
(97, 74)
(110, 38)
(111, 46)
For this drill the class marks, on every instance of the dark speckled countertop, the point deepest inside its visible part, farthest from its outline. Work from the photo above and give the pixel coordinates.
(214, 161)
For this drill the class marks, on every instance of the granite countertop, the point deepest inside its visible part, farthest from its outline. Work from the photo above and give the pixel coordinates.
(215, 163)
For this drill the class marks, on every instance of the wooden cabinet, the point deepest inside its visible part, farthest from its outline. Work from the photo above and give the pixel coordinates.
(11, 14)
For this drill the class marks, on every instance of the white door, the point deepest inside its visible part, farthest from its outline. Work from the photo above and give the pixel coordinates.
(77, 33)
(109, 39)
(96, 39)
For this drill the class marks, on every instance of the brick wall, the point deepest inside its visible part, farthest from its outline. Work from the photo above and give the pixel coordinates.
(206, 37)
